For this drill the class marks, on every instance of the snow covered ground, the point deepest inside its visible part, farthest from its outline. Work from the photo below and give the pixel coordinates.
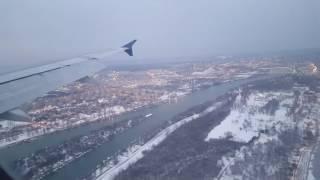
(295, 113)
(246, 118)
(246, 75)
(208, 71)
(168, 96)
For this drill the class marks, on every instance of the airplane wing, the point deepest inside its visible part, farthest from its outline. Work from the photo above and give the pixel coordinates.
(24, 86)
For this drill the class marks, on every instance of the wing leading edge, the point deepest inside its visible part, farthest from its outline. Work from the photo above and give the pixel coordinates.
(23, 86)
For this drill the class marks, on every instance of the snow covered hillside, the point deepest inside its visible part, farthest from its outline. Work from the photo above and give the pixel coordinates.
(274, 125)
(254, 113)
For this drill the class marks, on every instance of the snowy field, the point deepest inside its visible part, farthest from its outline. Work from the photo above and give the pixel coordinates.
(246, 118)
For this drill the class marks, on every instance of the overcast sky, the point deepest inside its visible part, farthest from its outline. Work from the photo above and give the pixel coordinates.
(38, 31)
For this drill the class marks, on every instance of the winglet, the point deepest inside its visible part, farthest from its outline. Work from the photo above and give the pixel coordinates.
(128, 47)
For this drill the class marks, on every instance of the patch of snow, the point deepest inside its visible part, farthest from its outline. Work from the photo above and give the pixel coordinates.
(245, 75)
(116, 109)
(46, 108)
(102, 100)
(205, 72)
(245, 121)
(167, 96)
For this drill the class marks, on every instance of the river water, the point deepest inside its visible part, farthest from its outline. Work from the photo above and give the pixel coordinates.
(84, 165)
